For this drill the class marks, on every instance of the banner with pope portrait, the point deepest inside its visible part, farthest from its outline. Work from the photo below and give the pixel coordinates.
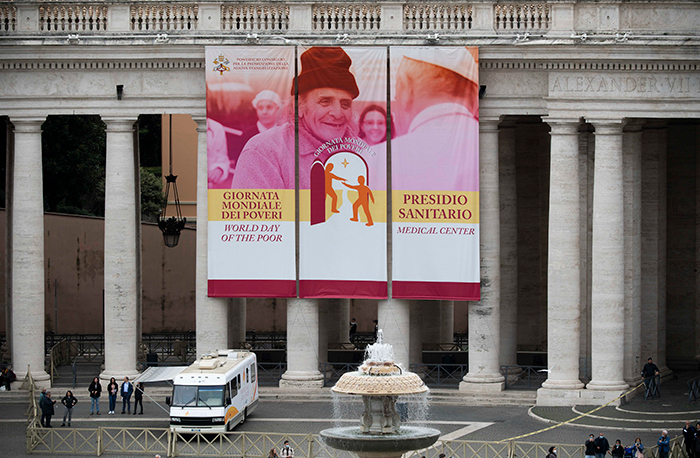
(435, 173)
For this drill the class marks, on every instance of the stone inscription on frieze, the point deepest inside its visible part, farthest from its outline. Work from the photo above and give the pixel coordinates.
(624, 85)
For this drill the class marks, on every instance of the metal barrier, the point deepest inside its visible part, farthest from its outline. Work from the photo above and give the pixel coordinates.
(693, 389)
(269, 374)
(524, 377)
(651, 387)
(440, 375)
(333, 371)
(59, 354)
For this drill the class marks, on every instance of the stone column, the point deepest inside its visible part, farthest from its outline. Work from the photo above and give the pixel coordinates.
(211, 313)
(237, 323)
(632, 151)
(608, 282)
(302, 345)
(324, 320)
(509, 245)
(563, 274)
(121, 259)
(344, 320)
(337, 321)
(394, 316)
(484, 316)
(418, 334)
(429, 321)
(653, 234)
(27, 238)
(447, 321)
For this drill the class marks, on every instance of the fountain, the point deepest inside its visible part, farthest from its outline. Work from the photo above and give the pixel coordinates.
(380, 381)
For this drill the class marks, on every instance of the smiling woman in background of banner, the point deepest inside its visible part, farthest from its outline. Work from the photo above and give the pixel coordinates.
(435, 173)
(251, 227)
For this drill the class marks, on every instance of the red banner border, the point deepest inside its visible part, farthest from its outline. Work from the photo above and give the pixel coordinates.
(343, 289)
(436, 290)
(252, 288)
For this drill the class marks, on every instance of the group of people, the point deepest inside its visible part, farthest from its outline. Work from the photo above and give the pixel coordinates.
(126, 390)
(598, 447)
(691, 439)
(286, 452)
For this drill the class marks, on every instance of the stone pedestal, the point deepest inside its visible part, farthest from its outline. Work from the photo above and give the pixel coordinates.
(27, 239)
(394, 316)
(563, 274)
(608, 283)
(122, 220)
(484, 316)
(211, 313)
(302, 345)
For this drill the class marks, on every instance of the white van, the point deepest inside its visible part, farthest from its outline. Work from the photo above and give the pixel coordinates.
(215, 393)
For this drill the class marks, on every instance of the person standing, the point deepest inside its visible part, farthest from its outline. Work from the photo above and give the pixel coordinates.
(47, 410)
(601, 446)
(69, 402)
(552, 452)
(638, 448)
(664, 444)
(353, 330)
(95, 389)
(138, 397)
(618, 451)
(126, 391)
(376, 329)
(112, 389)
(273, 453)
(287, 451)
(689, 439)
(590, 446)
(649, 371)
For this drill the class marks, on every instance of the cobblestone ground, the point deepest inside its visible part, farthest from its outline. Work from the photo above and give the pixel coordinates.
(638, 418)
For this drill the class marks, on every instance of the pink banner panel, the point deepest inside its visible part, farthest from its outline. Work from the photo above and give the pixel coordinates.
(435, 173)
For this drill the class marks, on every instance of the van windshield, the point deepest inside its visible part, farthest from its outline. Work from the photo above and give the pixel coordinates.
(198, 396)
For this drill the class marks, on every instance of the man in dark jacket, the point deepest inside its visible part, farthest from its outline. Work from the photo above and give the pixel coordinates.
(46, 405)
(649, 372)
(138, 397)
(601, 446)
(689, 439)
(590, 447)
(126, 391)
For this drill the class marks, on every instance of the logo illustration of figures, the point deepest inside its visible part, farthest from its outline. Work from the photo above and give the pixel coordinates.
(329, 180)
(363, 192)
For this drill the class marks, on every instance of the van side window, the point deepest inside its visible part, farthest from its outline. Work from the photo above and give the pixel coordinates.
(247, 378)
(252, 373)
(234, 388)
(227, 392)
(238, 381)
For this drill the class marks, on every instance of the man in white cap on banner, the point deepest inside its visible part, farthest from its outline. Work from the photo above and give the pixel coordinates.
(436, 110)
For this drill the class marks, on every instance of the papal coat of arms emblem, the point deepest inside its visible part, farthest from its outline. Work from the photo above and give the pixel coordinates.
(221, 64)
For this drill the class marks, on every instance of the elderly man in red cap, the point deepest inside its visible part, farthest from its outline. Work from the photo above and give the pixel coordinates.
(436, 111)
(326, 90)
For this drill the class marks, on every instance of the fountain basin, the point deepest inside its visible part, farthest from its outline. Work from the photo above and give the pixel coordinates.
(352, 439)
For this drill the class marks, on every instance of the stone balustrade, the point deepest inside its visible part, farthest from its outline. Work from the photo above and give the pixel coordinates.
(558, 17)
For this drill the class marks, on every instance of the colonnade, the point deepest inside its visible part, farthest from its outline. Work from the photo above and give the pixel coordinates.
(627, 284)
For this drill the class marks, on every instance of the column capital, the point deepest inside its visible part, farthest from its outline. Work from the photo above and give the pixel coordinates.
(563, 126)
(201, 123)
(120, 123)
(634, 126)
(28, 125)
(489, 123)
(607, 126)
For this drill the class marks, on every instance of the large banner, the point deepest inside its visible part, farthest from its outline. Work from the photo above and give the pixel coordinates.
(342, 176)
(435, 173)
(251, 171)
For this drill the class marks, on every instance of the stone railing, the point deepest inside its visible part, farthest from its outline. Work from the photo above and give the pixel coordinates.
(164, 17)
(72, 18)
(482, 18)
(255, 17)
